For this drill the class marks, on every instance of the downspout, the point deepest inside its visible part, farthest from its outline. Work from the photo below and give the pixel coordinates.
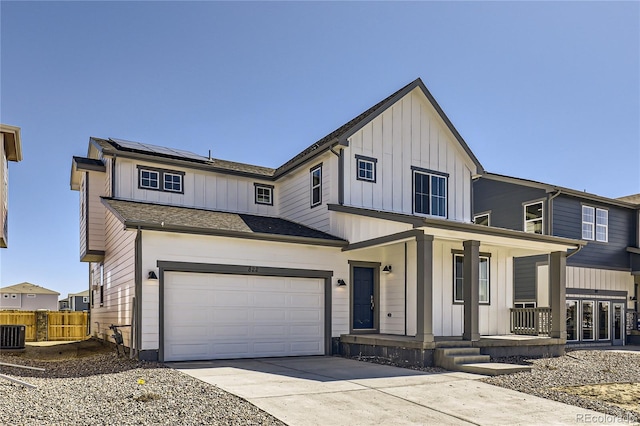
(340, 156)
(138, 291)
(550, 215)
(405, 289)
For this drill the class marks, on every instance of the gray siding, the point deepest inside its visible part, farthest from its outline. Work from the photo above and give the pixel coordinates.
(524, 277)
(567, 222)
(504, 200)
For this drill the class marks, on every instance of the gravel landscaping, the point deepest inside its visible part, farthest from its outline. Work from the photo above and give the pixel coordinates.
(88, 384)
(104, 389)
(571, 379)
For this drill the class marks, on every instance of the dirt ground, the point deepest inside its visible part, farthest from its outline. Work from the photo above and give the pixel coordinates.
(61, 351)
(624, 395)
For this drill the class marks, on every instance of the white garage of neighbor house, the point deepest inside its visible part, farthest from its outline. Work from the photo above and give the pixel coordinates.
(365, 234)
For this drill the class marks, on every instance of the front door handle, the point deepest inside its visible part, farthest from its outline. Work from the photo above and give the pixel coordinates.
(373, 305)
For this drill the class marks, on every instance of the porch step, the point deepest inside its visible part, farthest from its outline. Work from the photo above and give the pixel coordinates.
(468, 359)
(493, 368)
(453, 344)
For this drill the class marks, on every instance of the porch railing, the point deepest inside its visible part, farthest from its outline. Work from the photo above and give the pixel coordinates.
(531, 321)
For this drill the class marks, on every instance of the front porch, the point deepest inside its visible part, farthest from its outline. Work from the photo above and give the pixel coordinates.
(406, 350)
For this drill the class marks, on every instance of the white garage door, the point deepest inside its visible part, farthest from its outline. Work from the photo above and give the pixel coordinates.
(216, 316)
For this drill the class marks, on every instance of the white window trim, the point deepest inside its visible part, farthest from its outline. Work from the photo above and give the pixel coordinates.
(593, 320)
(149, 186)
(314, 169)
(605, 226)
(521, 305)
(604, 302)
(164, 182)
(488, 215)
(455, 278)
(592, 224)
(445, 177)
(578, 319)
(541, 218)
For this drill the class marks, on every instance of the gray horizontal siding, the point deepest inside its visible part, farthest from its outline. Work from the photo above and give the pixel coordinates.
(504, 200)
(567, 222)
(524, 277)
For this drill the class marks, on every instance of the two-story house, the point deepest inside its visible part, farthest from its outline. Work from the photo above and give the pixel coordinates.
(76, 302)
(602, 277)
(10, 150)
(364, 238)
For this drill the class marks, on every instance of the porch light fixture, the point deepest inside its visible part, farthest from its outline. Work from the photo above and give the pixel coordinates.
(633, 298)
(387, 269)
(341, 282)
(152, 276)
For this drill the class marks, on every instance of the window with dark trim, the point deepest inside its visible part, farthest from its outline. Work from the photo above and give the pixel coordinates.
(160, 179)
(101, 284)
(366, 168)
(458, 268)
(316, 185)
(429, 192)
(263, 194)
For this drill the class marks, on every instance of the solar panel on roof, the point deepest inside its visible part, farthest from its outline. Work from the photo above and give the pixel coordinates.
(158, 149)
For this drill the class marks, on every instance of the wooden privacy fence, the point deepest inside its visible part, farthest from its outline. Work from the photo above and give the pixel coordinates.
(49, 325)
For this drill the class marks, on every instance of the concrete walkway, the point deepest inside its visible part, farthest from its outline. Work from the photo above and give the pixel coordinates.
(338, 391)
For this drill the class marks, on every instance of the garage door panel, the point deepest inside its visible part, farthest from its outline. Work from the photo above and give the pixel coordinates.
(209, 316)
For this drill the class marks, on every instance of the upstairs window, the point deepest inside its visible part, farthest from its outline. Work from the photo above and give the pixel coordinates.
(316, 185)
(429, 192)
(160, 179)
(263, 194)
(534, 218)
(366, 168)
(481, 219)
(595, 224)
(172, 182)
(458, 296)
(149, 179)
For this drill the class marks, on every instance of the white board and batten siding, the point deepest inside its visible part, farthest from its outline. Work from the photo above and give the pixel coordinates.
(202, 189)
(158, 246)
(295, 193)
(410, 133)
(119, 280)
(218, 316)
(448, 317)
(600, 279)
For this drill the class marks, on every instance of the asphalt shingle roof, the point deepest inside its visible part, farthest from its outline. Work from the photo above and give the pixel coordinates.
(159, 216)
(27, 288)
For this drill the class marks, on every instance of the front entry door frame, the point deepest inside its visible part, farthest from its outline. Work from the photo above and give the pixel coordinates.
(376, 296)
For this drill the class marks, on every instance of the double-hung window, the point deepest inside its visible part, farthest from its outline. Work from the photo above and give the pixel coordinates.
(459, 279)
(595, 224)
(316, 185)
(534, 217)
(366, 168)
(160, 179)
(429, 192)
(263, 194)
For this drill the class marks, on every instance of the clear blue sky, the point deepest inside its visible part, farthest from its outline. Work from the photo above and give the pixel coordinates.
(539, 90)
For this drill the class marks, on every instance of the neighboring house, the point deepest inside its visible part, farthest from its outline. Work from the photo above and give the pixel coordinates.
(602, 277)
(366, 234)
(28, 297)
(75, 302)
(10, 150)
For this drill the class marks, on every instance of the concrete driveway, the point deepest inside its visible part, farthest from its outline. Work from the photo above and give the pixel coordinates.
(331, 390)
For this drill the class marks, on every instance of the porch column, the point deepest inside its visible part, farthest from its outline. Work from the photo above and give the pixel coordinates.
(471, 289)
(424, 254)
(558, 290)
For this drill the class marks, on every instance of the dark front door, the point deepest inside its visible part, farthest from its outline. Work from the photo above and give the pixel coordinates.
(363, 298)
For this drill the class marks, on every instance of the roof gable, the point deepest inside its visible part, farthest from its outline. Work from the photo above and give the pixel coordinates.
(12, 142)
(338, 136)
(27, 288)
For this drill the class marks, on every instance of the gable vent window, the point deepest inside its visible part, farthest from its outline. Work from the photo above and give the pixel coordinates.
(160, 179)
(316, 185)
(481, 219)
(264, 194)
(534, 218)
(366, 168)
(595, 224)
(429, 192)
